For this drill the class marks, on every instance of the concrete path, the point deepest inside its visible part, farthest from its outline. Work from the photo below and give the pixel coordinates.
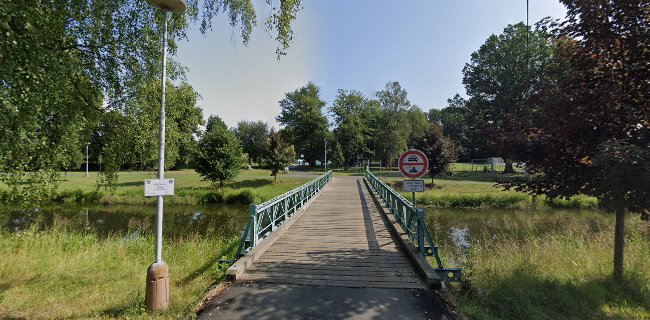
(337, 261)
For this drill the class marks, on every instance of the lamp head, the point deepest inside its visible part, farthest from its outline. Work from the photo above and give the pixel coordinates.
(171, 5)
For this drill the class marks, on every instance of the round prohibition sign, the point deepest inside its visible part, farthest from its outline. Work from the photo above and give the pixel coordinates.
(413, 164)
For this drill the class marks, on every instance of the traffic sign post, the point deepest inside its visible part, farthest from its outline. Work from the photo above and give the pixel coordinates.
(413, 164)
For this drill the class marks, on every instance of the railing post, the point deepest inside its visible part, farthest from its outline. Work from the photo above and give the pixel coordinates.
(252, 210)
(419, 227)
(286, 208)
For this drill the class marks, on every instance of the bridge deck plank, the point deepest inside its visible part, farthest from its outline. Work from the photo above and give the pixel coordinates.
(340, 241)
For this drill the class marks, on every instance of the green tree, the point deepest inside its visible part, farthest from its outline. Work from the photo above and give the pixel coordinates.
(187, 148)
(418, 123)
(371, 117)
(278, 153)
(352, 133)
(68, 64)
(188, 118)
(133, 143)
(254, 136)
(335, 153)
(219, 156)
(459, 124)
(305, 124)
(393, 126)
(440, 150)
(499, 80)
(591, 129)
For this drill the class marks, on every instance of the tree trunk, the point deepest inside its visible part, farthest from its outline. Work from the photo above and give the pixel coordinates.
(508, 168)
(250, 160)
(619, 243)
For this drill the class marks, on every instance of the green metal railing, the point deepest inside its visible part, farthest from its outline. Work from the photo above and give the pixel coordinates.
(411, 219)
(266, 217)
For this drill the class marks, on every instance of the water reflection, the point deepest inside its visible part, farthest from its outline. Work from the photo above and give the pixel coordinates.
(129, 221)
(457, 229)
(460, 237)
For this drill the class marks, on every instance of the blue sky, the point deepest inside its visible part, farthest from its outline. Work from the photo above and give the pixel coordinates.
(353, 44)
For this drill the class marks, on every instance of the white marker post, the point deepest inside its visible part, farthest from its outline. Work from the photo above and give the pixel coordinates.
(157, 292)
(325, 148)
(87, 174)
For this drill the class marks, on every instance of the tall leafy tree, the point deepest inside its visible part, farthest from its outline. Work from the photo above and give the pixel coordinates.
(591, 132)
(188, 118)
(279, 154)
(352, 132)
(254, 136)
(134, 139)
(418, 123)
(219, 156)
(393, 126)
(460, 125)
(499, 80)
(335, 153)
(371, 117)
(305, 125)
(439, 149)
(66, 64)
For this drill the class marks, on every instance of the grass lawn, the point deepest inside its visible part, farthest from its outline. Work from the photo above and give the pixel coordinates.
(465, 189)
(250, 186)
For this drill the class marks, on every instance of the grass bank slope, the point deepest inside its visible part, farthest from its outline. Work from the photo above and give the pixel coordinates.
(562, 273)
(61, 274)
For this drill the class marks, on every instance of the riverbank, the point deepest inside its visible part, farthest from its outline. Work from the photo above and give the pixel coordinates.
(551, 264)
(61, 274)
(467, 190)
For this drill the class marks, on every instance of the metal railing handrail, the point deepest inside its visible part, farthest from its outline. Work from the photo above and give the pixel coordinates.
(411, 219)
(267, 216)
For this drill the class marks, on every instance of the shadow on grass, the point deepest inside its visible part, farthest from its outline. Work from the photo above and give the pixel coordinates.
(226, 253)
(524, 295)
(250, 183)
(130, 184)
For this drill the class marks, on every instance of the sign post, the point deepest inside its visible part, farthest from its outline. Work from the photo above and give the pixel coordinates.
(413, 164)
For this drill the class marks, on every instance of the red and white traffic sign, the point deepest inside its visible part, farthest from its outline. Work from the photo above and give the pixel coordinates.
(413, 164)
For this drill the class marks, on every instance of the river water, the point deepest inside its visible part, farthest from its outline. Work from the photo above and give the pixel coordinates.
(129, 220)
(452, 229)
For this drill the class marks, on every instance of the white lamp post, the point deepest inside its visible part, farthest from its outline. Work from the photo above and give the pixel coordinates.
(325, 148)
(157, 293)
(87, 175)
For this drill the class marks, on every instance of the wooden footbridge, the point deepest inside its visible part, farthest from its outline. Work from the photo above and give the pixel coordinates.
(334, 241)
